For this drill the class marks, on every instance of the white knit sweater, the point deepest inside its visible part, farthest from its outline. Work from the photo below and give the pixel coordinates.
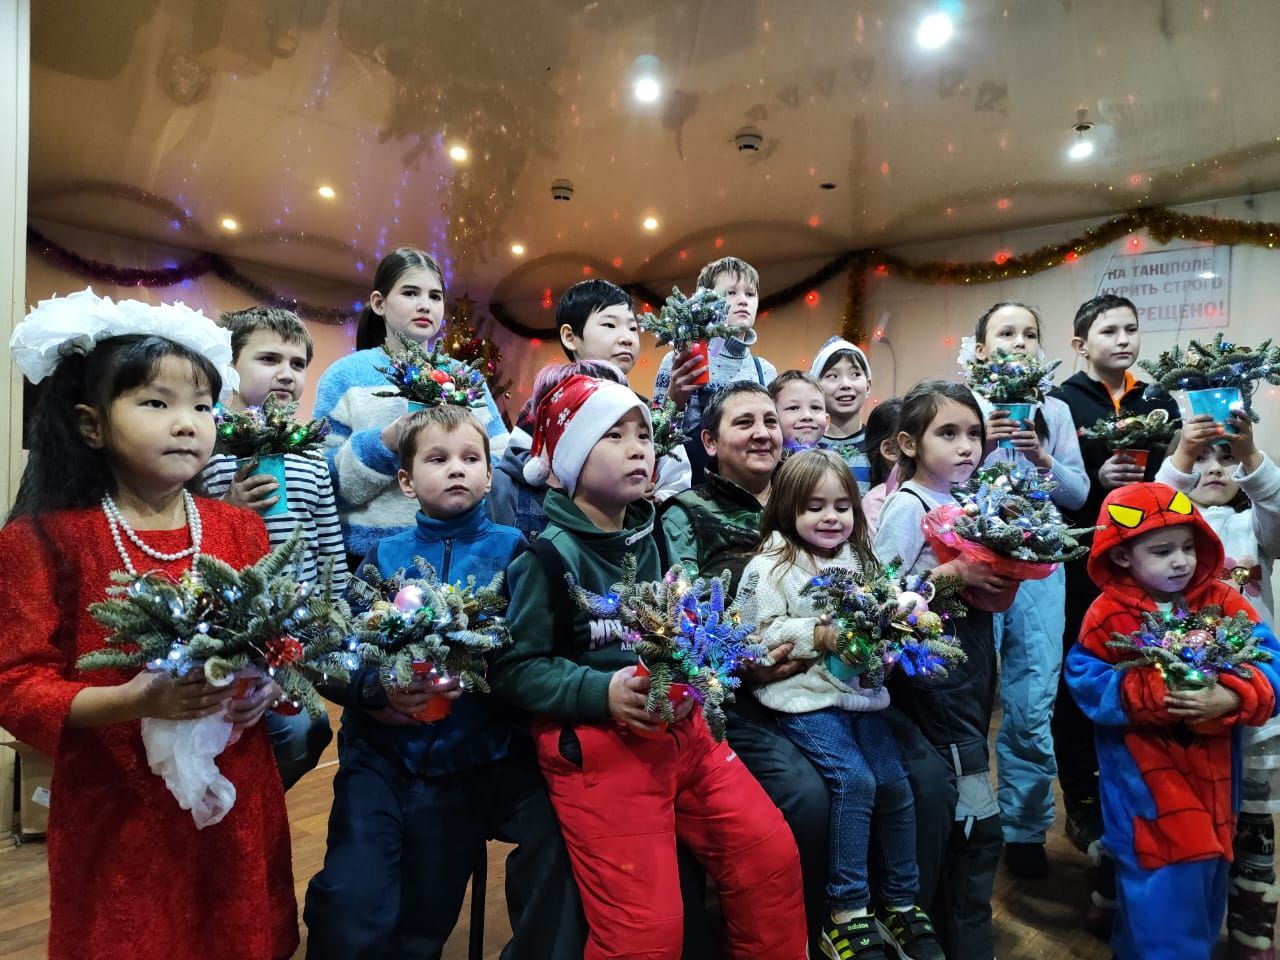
(784, 616)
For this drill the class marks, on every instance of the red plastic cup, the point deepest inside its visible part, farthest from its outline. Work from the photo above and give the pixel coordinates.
(677, 694)
(698, 349)
(437, 708)
(241, 687)
(1139, 457)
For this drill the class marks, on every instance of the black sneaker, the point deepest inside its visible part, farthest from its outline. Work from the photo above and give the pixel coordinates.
(1084, 824)
(859, 939)
(909, 933)
(1026, 860)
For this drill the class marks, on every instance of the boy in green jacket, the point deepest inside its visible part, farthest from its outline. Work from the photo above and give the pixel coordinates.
(623, 785)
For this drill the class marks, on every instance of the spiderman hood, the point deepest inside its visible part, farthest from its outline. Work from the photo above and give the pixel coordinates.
(1131, 511)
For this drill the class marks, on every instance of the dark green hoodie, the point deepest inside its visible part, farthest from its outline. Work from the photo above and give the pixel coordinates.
(572, 688)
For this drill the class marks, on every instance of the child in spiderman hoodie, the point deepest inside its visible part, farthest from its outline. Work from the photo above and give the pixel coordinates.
(1168, 760)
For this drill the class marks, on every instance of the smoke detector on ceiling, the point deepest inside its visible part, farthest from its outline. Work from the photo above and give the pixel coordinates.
(748, 140)
(561, 190)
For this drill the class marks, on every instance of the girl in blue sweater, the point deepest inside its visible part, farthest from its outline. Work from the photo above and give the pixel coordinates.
(407, 299)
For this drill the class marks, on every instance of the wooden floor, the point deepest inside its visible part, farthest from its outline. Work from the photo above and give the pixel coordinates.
(1034, 920)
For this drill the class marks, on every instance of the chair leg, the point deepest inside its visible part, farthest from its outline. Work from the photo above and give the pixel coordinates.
(479, 881)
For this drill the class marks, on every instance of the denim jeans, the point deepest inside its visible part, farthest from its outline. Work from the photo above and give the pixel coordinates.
(858, 757)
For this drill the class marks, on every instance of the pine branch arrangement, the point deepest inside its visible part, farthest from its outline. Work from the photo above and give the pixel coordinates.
(1007, 508)
(668, 427)
(1126, 431)
(221, 620)
(1191, 650)
(432, 378)
(269, 430)
(885, 619)
(682, 320)
(1006, 378)
(1219, 363)
(420, 620)
(684, 633)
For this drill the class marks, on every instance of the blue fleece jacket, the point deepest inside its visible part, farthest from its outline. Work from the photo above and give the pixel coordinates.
(479, 727)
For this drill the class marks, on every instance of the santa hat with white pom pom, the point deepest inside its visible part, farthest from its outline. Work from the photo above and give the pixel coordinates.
(569, 421)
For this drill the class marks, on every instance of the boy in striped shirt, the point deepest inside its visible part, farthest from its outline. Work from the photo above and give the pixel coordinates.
(271, 350)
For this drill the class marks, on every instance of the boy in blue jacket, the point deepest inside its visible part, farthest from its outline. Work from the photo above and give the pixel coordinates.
(415, 802)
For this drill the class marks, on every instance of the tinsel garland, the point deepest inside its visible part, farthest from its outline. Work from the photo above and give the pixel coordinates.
(411, 620)
(1125, 431)
(221, 620)
(1191, 650)
(269, 430)
(683, 633)
(884, 620)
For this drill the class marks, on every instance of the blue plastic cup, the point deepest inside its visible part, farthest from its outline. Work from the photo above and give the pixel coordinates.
(273, 466)
(1216, 402)
(1019, 413)
(415, 406)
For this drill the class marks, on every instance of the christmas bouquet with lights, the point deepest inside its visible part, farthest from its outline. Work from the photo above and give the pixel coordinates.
(1191, 650)
(688, 323)
(1004, 519)
(1014, 383)
(668, 427)
(884, 620)
(1216, 378)
(263, 436)
(1136, 434)
(419, 627)
(431, 378)
(689, 642)
(231, 625)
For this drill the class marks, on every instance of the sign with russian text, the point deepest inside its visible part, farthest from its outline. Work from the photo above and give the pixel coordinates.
(1177, 290)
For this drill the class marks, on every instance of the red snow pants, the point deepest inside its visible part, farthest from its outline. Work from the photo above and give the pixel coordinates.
(623, 800)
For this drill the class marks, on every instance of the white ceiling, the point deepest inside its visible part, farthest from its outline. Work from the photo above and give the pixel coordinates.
(366, 96)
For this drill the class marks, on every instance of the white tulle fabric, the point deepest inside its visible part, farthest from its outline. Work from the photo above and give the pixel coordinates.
(183, 753)
(60, 326)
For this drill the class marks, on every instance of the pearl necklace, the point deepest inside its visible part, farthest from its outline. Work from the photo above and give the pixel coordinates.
(116, 522)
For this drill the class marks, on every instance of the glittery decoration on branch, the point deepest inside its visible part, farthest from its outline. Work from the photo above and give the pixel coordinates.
(684, 634)
(1006, 507)
(220, 620)
(269, 430)
(684, 320)
(668, 427)
(1009, 378)
(1126, 431)
(884, 620)
(1219, 363)
(1191, 650)
(419, 620)
(432, 378)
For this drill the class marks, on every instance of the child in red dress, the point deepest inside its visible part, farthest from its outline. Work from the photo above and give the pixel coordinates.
(124, 422)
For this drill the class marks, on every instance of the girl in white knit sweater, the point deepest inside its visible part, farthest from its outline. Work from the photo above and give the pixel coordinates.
(813, 521)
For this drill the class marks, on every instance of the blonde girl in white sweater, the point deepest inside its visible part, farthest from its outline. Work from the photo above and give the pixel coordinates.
(813, 521)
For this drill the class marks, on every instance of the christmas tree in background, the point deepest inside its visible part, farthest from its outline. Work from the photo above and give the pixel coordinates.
(469, 341)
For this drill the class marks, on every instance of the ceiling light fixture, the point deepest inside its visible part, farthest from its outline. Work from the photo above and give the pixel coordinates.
(517, 249)
(650, 223)
(458, 153)
(935, 30)
(326, 191)
(1082, 147)
(230, 224)
(647, 89)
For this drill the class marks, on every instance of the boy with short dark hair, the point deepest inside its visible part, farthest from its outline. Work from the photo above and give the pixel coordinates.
(272, 350)
(1168, 757)
(639, 791)
(415, 801)
(731, 358)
